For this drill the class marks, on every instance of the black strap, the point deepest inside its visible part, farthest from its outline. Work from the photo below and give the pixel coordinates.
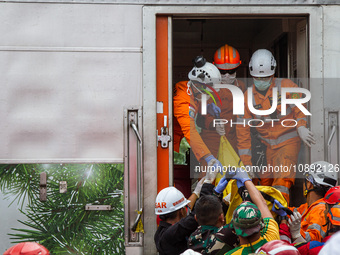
(271, 199)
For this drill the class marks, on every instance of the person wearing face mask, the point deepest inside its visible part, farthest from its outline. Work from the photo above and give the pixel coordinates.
(283, 142)
(227, 60)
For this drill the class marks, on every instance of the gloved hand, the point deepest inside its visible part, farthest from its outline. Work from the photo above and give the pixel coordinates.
(213, 110)
(198, 187)
(221, 185)
(278, 211)
(214, 164)
(294, 224)
(240, 175)
(220, 129)
(226, 199)
(250, 172)
(210, 177)
(306, 136)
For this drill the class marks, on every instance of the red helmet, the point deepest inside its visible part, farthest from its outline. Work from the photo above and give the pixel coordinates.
(226, 58)
(278, 247)
(333, 195)
(27, 248)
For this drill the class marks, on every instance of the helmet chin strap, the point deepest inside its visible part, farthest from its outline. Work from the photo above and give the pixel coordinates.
(193, 92)
(315, 187)
(306, 191)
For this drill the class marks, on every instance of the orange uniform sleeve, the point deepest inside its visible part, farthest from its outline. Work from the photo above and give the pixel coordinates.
(243, 135)
(312, 228)
(312, 222)
(299, 116)
(185, 115)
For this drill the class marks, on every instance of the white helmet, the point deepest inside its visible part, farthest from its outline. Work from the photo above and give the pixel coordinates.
(169, 200)
(323, 174)
(262, 63)
(204, 72)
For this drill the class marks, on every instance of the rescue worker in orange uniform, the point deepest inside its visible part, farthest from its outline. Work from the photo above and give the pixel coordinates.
(332, 216)
(283, 142)
(187, 105)
(227, 60)
(309, 223)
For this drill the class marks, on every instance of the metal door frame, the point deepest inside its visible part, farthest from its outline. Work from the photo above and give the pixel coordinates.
(315, 15)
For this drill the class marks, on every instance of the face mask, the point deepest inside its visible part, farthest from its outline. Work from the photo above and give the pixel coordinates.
(228, 78)
(262, 85)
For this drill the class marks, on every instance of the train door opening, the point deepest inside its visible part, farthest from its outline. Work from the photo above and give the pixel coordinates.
(285, 36)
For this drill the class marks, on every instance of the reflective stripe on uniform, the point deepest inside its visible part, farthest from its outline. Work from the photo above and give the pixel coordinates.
(282, 189)
(241, 120)
(244, 152)
(337, 207)
(278, 84)
(279, 116)
(335, 218)
(280, 139)
(305, 119)
(285, 238)
(288, 111)
(307, 238)
(317, 227)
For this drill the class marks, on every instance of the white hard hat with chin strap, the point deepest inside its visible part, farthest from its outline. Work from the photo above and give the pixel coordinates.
(204, 73)
(169, 200)
(322, 175)
(262, 63)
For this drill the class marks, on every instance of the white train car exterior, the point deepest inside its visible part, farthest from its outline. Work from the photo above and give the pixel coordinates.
(91, 81)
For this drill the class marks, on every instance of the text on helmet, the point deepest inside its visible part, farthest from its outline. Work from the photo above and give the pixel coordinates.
(160, 205)
(179, 201)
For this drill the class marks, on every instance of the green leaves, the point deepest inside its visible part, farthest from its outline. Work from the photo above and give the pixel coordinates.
(61, 223)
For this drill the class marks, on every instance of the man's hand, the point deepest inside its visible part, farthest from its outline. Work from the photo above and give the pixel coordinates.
(213, 110)
(220, 129)
(306, 136)
(221, 185)
(214, 164)
(240, 175)
(278, 210)
(198, 187)
(294, 224)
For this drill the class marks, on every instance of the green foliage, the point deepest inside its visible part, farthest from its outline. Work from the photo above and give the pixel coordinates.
(180, 158)
(61, 223)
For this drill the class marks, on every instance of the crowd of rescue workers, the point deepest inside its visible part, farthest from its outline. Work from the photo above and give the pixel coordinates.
(240, 211)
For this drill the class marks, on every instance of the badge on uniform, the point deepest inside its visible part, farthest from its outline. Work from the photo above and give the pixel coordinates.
(295, 95)
(192, 112)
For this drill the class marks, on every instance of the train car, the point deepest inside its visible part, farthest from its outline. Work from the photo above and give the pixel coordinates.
(90, 83)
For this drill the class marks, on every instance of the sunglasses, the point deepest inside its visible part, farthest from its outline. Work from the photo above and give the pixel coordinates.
(230, 71)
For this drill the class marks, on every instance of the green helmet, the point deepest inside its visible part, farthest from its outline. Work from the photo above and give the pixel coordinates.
(247, 219)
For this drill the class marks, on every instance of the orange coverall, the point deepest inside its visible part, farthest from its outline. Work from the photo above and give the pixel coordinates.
(313, 220)
(283, 143)
(185, 109)
(209, 134)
